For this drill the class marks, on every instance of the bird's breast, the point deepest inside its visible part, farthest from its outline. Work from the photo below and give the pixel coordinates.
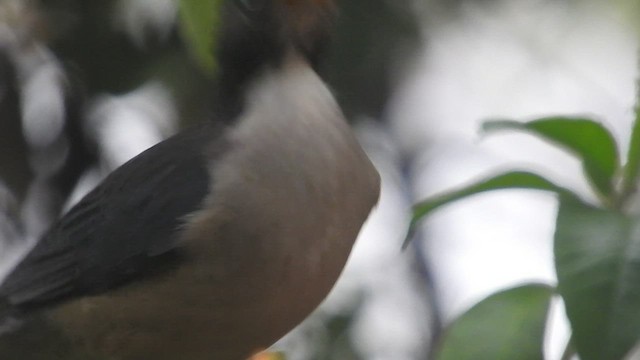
(287, 200)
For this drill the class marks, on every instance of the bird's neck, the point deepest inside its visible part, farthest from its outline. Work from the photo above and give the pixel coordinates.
(237, 82)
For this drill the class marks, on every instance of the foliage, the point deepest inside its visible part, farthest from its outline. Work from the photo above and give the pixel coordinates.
(198, 22)
(509, 314)
(596, 248)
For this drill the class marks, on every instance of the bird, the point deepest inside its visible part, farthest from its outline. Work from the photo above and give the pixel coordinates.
(216, 242)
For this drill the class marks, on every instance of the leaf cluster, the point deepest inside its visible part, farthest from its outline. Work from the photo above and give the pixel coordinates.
(596, 249)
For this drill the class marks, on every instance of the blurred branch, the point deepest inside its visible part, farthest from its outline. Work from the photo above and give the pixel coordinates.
(14, 169)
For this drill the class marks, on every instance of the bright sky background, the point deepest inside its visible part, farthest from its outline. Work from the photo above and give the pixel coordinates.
(518, 60)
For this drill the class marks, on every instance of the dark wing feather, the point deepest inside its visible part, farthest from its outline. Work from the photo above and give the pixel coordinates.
(124, 229)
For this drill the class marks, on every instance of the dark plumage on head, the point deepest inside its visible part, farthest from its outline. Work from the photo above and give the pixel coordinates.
(256, 34)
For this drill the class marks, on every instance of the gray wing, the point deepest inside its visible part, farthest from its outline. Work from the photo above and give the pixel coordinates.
(125, 229)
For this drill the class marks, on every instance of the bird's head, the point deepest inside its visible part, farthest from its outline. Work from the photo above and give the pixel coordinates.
(257, 34)
(261, 31)
(307, 25)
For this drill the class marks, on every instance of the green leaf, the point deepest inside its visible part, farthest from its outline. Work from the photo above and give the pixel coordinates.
(508, 180)
(199, 20)
(506, 325)
(589, 140)
(632, 168)
(597, 255)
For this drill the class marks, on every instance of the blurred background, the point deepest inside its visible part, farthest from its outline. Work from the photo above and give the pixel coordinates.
(86, 85)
